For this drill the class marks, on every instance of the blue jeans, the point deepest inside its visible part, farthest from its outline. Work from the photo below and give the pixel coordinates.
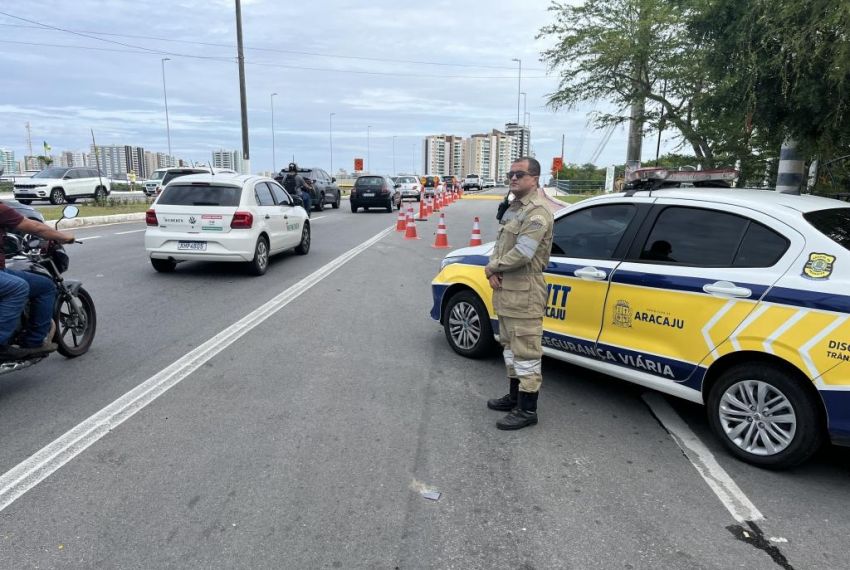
(308, 202)
(15, 288)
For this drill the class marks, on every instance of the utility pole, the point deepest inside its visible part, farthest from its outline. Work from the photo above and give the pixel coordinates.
(240, 55)
(789, 176)
(331, 136)
(274, 162)
(29, 142)
(165, 96)
(518, 88)
(368, 147)
(394, 170)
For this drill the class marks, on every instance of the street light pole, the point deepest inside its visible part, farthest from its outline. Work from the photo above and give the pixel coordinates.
(518, 88)
(165, 96)
(240, 55)
(368, 147)
(394, 170)
(413, 158)
(331, 137)
(274, 161)
(524, 107)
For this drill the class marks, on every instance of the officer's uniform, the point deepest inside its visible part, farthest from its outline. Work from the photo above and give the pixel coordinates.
(520, 256)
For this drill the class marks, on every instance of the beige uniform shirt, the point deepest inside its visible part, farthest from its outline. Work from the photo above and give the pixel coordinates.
(521, 254)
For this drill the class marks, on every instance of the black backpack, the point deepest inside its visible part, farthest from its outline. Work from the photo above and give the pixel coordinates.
(289, 183)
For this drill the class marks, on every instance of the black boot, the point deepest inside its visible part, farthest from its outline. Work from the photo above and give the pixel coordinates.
(525, 414)
(507, 402)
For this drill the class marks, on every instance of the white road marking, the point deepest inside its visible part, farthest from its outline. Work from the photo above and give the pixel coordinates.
(89, 237)
(40, 465)
(314, 218)
(130, 232)
(732, 497)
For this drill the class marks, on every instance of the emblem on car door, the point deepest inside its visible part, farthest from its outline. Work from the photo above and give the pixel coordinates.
(192, 220)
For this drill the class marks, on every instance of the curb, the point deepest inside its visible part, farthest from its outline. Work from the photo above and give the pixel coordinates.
(100, 220)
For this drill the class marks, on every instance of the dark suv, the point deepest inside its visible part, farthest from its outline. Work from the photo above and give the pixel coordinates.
(324, 189)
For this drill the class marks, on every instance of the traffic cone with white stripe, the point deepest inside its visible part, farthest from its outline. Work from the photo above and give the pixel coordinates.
(475, 239)
(423, 209)
(430, 205)
(436, 201)
(401, 221)
(442, 239)
(410, 230)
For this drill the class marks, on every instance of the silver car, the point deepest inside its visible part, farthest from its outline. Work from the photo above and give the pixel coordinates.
(410, 187)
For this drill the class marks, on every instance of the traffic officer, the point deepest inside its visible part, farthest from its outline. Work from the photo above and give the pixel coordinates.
(515, 272)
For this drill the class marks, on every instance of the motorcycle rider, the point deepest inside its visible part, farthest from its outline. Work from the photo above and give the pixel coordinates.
(16, 287)
(296, 185)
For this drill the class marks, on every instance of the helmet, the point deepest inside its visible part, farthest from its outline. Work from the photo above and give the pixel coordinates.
(292, 167)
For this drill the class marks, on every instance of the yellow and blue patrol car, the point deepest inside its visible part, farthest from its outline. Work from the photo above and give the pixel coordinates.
(736, 299)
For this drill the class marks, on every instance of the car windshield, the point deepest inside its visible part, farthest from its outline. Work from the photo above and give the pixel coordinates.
(369, 181)
(472, 176)
(158, 174)
(52, 172)
(405, 180)
(200, 194)
(833, 223)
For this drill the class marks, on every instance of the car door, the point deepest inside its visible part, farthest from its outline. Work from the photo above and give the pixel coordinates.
(695, 274)
(588, 244)
(272, 215)
(71, 182)
(292, 219)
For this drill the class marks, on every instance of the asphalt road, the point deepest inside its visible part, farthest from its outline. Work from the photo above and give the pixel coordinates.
(306, 443)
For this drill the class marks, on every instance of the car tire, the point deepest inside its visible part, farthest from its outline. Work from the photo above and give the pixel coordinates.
(25, 201)
(164, 265)
(100, 194)
(320, 203)
(335, 205)
(744, 435)
(354, 209)
(390, 205)
(304, 246)
(57, 196)
(467, 325)
(260, 264)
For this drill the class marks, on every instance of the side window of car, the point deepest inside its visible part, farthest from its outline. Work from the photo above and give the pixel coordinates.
(695, 237)
(281, 198)
(71, 174)
(592, 233)
(761, 247)
(263, 194)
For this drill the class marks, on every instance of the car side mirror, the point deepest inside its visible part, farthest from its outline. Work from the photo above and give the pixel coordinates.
(297, 201)
(333, 178)
(66, 177)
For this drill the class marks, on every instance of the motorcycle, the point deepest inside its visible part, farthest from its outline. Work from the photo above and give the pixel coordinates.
(74, 315)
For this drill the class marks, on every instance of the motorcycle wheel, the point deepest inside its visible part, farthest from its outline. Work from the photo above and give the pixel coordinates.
(71, 344)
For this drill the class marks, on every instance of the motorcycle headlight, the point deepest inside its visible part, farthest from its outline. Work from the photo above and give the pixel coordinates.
(449, 260)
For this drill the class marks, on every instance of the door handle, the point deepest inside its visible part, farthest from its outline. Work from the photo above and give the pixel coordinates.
(267, 216)
(285, 217)
(590, 273)
(726, 289)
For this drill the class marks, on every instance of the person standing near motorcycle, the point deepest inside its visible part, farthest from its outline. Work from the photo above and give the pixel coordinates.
(296, 185)
(16, 287)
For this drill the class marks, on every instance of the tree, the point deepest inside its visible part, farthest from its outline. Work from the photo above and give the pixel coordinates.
(45, 161)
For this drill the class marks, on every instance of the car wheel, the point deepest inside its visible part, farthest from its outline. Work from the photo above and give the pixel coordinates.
(467, 325)
(57, 196)
(335, 205)
(304, 247)
(25, 202)
(764, 416)
(260, 263)
(100, 194)
(353, 209)
(164, 265)
(390, 206)
(320, 203)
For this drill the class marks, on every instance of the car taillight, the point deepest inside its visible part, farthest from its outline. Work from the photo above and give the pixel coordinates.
(150, 218)
(242, 221)
(353, 193)
(385, 190)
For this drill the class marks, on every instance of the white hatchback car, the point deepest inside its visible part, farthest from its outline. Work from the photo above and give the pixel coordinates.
(224, 217)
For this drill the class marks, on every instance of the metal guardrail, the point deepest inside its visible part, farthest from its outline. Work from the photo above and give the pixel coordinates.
(579, 186)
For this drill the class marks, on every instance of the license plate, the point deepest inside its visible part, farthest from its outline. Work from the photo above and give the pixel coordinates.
(192, 245)
(368, 194)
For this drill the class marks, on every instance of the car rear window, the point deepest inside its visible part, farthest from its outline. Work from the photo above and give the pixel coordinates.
(172, 174)
(833, 223)
(200, 195)
(370, 181)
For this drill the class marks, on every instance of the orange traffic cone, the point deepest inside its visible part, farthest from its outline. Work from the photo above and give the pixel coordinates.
(423, 210)
(442, 239)
(436, 201)
(430, 205)
(401, 221)
(410, 231)
(475, 239)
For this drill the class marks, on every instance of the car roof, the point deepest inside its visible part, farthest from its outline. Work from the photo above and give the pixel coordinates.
(221, 178)
(767, 201)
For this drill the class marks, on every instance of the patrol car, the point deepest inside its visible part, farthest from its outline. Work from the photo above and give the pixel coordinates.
(735, 299)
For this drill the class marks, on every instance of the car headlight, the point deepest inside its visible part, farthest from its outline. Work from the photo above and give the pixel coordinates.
(449, 260)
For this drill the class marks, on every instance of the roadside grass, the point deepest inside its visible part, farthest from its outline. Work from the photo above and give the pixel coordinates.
(573, 198)
(103, 208)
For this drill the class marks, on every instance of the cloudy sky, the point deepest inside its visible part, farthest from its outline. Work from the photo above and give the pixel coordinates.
(406, 69)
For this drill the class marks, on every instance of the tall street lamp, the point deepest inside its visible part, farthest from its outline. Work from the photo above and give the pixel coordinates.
(518, 88)
(274, 160)
(368, 147)
(524, 107)
(165, 96)
(394, 171)
(331, 137)
(413, 158)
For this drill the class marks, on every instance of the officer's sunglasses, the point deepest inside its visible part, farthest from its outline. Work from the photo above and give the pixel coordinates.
(518, 174)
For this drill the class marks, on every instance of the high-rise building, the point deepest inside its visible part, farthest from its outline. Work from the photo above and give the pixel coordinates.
(135, 156)
(8, 164)
(32, 163)
(443, 155)
(71, 158)
(111, 159)
(476, 155)
(231, 159)
(522, 134)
